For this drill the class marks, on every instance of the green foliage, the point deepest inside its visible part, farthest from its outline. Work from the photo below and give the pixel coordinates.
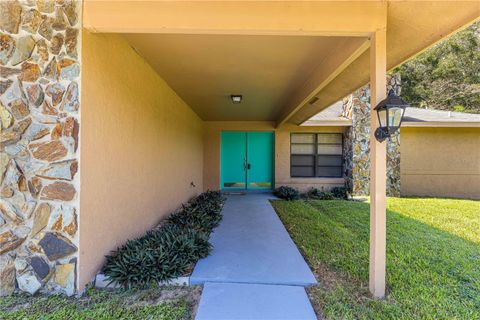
(447, 76)
(316, 194)
(103, 305)
(169, 251)
(340, 192)
(202, 213)
(159, 255)
(287, 193)
(433, 249)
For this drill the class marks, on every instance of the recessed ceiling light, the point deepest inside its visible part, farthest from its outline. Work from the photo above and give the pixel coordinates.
(236, 98)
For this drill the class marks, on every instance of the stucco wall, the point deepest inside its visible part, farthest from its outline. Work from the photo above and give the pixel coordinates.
(443, 162)
(142, 149)
(211, 162)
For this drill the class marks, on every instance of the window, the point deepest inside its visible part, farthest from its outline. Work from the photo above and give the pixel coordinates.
(316, 155)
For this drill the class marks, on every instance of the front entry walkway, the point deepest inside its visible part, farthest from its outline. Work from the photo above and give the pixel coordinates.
(255, 270)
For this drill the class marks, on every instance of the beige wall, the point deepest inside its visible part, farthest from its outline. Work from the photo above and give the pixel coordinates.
(141, 147)
(443, 162)
(211, 163)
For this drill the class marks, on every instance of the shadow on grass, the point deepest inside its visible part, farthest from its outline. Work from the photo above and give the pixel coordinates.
(431, 273)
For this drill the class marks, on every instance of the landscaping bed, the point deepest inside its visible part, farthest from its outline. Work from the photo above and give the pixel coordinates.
(163, 303)
(433, 257)
(170, 250)
(139, 266)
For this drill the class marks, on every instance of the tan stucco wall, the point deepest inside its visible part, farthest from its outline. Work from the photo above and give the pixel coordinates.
(443, 162)
(211, 163)
(141, 148)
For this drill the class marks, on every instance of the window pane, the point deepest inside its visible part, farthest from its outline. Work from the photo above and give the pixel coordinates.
(330, 138)
(302, 172)
(382, 116)
(395, 115)
(303, 161)
(329, 149)
(303, 149)
(329, 171)
(303, 138)
(329, 161)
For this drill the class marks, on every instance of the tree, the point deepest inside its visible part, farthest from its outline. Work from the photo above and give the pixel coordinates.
(446, 76)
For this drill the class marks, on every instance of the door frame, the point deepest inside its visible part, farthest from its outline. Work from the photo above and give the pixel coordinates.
(246, 189)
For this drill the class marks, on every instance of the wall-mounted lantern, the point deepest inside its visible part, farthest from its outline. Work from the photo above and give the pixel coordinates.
(390, 114)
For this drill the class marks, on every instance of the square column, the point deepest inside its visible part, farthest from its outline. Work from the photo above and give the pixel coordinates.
(378, 172)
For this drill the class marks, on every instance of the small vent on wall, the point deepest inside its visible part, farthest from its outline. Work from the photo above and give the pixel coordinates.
(313, 100)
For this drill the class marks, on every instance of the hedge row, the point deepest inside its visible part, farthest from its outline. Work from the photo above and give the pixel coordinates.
(289, 193)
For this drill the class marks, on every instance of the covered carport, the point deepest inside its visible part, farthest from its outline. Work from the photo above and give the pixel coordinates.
(346, 44)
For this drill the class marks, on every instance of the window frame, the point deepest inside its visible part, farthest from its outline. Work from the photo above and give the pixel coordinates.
(316, 156)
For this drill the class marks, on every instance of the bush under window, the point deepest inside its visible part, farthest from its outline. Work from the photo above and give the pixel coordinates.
(287, 193)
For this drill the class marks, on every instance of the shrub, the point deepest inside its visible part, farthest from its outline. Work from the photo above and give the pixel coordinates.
(159, 255)
(340, 192)
(327, 196)
(171, 250)
(316, 194)
(287, 193)
(202, 213)
(313, 193)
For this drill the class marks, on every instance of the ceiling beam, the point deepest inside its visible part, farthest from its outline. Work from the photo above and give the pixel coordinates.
(463, 13)
(335, 63)
(323, 18)
(350, 79)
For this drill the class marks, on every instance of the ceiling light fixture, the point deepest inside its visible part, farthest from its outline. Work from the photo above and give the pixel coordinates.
(236, 98)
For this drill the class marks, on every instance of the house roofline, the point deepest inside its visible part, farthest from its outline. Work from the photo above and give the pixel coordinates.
(442, 124)
(327, 123)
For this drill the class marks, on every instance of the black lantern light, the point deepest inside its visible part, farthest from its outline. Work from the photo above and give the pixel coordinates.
(390, 113)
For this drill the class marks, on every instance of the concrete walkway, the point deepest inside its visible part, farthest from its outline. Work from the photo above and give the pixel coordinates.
(255, 270)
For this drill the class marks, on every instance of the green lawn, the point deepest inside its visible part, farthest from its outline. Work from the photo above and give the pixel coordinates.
(433, 257)
(168, 303)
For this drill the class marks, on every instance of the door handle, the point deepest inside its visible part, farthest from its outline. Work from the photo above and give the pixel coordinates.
(248, 166)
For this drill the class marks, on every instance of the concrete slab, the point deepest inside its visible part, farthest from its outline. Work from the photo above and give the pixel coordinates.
(227, 301)
(251, 245)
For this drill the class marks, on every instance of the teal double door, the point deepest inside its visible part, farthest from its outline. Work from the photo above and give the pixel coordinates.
(246, 160)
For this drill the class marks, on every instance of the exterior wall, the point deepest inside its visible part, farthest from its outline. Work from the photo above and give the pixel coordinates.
(39, 154)
(440, 162)
(357, 143)
(142, 149)
(282, 153)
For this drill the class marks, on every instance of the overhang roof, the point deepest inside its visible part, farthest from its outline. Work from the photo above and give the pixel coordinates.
(341, 67)
(414, 117)
(330, 116)
(417, 117)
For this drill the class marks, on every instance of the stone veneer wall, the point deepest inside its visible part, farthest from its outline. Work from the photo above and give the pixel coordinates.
(357, 143)
(39, 123)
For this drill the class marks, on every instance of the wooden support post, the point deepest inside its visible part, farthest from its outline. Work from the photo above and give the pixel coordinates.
(378, 164)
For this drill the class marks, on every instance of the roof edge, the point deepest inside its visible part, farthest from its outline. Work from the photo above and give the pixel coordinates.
(442, 124)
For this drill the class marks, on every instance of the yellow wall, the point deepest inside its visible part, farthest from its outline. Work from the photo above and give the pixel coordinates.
(141, 147)
(443, 162)
(211, 163)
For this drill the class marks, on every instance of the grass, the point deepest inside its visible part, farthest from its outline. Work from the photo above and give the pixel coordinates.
(166, 303)
(433, 257)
